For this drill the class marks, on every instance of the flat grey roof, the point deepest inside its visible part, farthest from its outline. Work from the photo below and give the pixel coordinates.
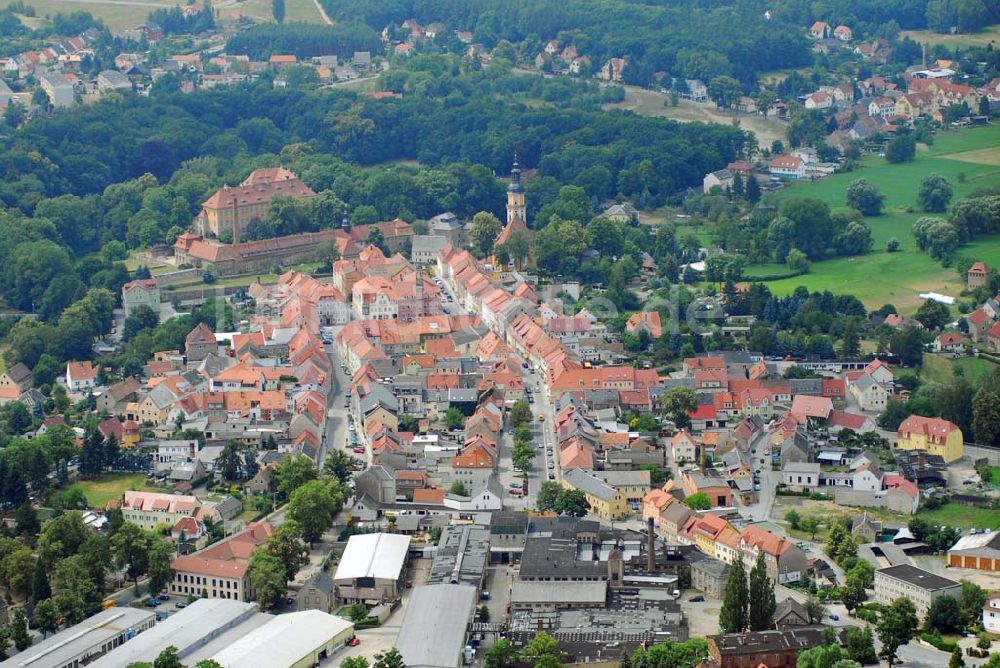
(917, 577)
(67, 646)
(594, 593)
(284, 640)
(433, 631)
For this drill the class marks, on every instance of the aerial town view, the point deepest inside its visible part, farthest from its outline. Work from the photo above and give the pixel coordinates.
(499, 333)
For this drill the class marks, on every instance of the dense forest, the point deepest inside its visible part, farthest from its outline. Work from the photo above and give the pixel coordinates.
(305, 40)
(697, 40)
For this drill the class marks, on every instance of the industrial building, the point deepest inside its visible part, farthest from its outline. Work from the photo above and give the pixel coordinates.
(433, 631)
(461, 556)
(94, 636)
(235, 634)
(371, 568)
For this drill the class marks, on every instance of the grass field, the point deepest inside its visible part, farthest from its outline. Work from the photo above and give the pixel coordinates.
(982, 38)
(938, 369)
(119, 15)
(897, 278)
(650, 103)
(99, 492)
(965, 517)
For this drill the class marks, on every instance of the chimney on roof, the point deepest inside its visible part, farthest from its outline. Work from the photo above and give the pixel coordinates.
(650, 546)
(701, 456)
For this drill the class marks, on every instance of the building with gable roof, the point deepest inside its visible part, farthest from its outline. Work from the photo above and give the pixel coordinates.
(933, 436)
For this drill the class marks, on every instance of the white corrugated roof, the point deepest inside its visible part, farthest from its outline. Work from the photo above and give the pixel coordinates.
(974, 541)
(283, 641)
(373, 555)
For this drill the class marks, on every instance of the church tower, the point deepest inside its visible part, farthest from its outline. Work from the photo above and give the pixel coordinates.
(516, 210)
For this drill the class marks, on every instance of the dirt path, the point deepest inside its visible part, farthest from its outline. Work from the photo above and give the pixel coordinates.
(322, 13)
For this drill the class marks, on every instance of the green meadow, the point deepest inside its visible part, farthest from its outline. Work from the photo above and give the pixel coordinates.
(879, 277)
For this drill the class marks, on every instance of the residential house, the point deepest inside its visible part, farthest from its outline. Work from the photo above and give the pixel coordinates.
(789, 614)
(141, 292)
(882, 106)
(221, 570)
(933, 436)
(866, 528)
(80, 376)
(722, 179)
(950, 342)
(148, 510)
(843, 33)
(870, 395)
(14, 382)
(800, 476)
(784, 560)
(819, 30)
(613, 69)
(604, 500)
(788, 166)
(317, 593)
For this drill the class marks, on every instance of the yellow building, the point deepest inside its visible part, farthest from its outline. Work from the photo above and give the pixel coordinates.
(934, 436)
(605, 501)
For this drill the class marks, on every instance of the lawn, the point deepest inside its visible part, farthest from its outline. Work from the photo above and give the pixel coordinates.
(965, 517)
(102, 490)
(879, 277)
(938, 369)
(120, 15)
(981, 38)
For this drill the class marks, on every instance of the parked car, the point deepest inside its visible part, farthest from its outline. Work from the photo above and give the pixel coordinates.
(354, 642)
(358, 451)
(697, 599)
(163, 597)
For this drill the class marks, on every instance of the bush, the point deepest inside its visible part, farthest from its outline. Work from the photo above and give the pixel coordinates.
(938, 642)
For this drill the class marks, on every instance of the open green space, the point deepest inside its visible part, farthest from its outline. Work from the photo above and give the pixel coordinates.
(939, 369)
(897, 278)
(121, 15)
(965, 517)
(930, 38)
(105, 488)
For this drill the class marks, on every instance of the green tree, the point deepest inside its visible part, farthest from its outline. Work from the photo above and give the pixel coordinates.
(46, 617)
(971, 602)
(864, 196)
(698, 501)
(810, 525)
(130, 550)
(670, 654)
(354, 662)
(934, 193)
(956, 660)
(850, 343)
(390, 659)
(19, 630)
(943, 616)
(896, 627)
(901, 149)
(168, 658)
(520, 413)
(339, 465)
(793, 517)
(572, 502)
(278, 10)
(860, 645)
(852, 594)
(484, 230)
(267, 575)
(454, 418)
(760, 615)
(314, 506)
(501, 655)
(676, 403)
(230, 461)
(933, 314)
(548, 494)
(734, 614)
(986, 417)
(458, 488)
(543, 652)
(725, 91)
(160, 554)
(40, 589)
(293, 473)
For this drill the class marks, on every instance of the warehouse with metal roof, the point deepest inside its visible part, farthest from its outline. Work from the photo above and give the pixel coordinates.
(92, 637)
(441, 612)
(371, 567)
